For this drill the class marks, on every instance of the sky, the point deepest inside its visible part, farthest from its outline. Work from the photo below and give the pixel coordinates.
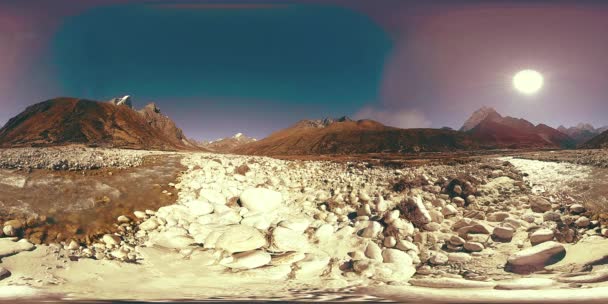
(222, 67)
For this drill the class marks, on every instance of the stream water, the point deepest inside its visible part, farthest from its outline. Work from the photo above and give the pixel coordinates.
(80, 204)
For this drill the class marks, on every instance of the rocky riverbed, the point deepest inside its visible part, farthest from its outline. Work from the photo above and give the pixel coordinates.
(260, 228)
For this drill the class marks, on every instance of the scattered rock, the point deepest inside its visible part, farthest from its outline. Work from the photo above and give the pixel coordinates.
(536, 257)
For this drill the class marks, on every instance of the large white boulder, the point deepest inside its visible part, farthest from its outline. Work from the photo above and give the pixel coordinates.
(240, 238)
(212, 196)
(249, 259)
(199, 207)
(9, 247)
(261, 199)
(284, 239)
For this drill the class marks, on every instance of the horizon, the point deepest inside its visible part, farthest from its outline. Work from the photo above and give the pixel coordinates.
(139, 105)
(255, 67)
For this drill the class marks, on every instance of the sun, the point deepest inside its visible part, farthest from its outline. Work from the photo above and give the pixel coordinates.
(528, 81)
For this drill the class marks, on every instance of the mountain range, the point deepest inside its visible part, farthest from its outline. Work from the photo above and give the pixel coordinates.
(228, 144)
(582, 132)
(345, 136)
(116, 123)
(66, 120)
(492, 130)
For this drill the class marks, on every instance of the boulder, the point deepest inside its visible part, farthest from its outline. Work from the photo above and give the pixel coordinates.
(577, 209)
(503, 233)
(249, 259)
(111, 239)
(9, 247)
(284, 239)
(212, 196)
(536, 257)
(240, 238)
(540, 205)
(199, 207)
(372, 230)
(373, 251)
(416, 211)
(396, 256)
(541, 235)
(261, 199)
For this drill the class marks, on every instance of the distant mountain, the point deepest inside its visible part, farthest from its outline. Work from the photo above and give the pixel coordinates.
(228, 144)
(492, 130)
(598, 142)
(478, 116)
(345, 136)
(68, 120)
(582, 132)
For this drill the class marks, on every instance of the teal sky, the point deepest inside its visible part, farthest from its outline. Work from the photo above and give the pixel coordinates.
(219, 67)
(225, 66)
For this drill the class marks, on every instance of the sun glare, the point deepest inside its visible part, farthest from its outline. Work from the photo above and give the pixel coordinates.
(528, 81)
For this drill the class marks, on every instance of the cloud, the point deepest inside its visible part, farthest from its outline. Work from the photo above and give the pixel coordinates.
(401, 118)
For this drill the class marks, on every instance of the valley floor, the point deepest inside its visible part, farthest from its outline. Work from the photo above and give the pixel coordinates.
(488, 229)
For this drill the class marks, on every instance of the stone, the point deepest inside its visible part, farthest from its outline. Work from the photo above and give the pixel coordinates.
(9, 230)
(119, 254)
(582, 222)
(284, 239)
(577, 209)
(249, 259)
(17, 224)
(372, 230)
(389, 241)
(149, 224)
(459, 257)
(73, 245)
(261, 199)
(405, 245)
(498, 216)
(503, 233)
(540, 205)
(473, 246)
(438, 259)
(4, 273)
(123, 219)
(456, 240)
(541, 235)
(416, 211)
(111, 240)
(140, 215)
(199, 207)
(458, 201)
(536, 257)
(296, 224)
(449, 210)
(396, 256)
(260, 221)
(373, 251)
(390, 217)
(240, 238)
(212, 197)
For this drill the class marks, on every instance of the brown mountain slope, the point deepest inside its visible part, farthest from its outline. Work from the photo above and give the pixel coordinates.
(598, 142)
(355, 137)
(65, 120)
(492, 130)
